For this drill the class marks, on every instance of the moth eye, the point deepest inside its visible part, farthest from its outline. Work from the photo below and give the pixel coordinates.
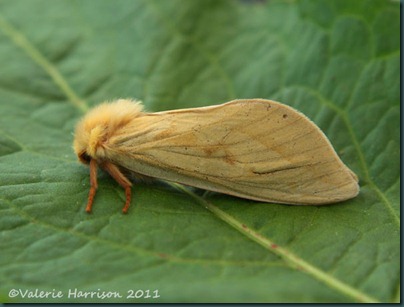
(84, 157)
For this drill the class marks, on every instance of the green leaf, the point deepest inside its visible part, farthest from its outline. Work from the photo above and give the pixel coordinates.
(335, 61)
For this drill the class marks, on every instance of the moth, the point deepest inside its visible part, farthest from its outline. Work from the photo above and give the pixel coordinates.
(250, 148)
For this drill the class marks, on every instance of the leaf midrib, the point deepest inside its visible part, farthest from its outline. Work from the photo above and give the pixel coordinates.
(291, 258)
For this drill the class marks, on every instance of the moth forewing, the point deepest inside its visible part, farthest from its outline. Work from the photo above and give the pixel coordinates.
(253, 148)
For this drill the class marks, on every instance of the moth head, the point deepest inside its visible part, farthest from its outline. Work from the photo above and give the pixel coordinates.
(89, 141)
(99, 124)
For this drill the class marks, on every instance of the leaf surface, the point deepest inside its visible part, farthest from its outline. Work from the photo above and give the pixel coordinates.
(335, 61)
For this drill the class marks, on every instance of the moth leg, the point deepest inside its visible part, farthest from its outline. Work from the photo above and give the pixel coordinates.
(93, 184)
(115, 173)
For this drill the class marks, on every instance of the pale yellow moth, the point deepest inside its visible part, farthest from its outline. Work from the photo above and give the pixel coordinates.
(251, 148)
